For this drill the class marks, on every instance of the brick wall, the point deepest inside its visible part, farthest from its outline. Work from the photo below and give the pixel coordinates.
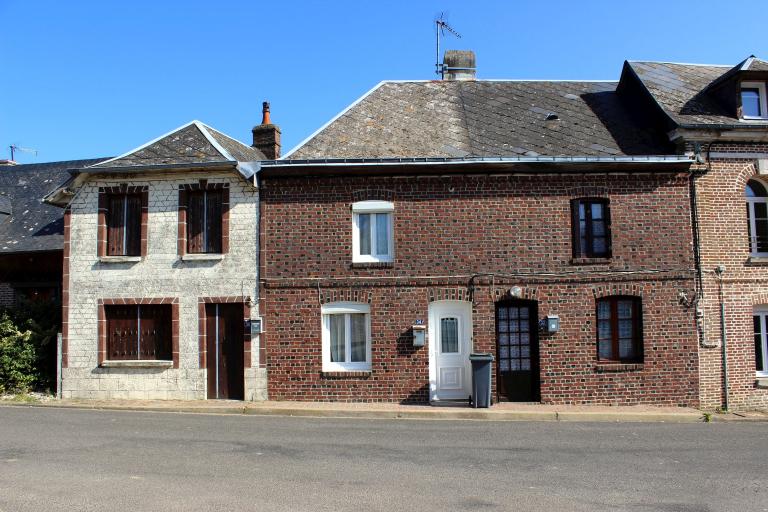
(724, 241)
(446, 230)
(160, 274)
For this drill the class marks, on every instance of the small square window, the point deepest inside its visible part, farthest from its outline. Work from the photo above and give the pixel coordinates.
(753, 100)
(372, 232)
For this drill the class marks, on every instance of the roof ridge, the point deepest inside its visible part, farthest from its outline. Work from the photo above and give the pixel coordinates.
(679, 63)
(204, 130)
(147, 144)
(241, 143)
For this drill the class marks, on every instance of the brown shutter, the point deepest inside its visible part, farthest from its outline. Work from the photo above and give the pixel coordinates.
(213, 224)
(122, 335)
(155, 332)
(115, 225)
(195, 222)
(133, 226)
(575, 234)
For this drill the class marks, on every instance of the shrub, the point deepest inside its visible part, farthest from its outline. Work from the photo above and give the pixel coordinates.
(28, 346)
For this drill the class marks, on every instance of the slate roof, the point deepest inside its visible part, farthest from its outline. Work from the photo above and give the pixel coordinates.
(193, 143)
(33, 225)
(484, 118)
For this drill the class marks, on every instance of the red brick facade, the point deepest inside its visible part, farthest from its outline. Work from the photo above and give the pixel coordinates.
(507, 231)
(724, 241)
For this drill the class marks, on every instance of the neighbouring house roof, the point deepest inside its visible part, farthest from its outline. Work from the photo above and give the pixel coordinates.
(484, 118)
(194, 143)
(687, 93)
(26, 223)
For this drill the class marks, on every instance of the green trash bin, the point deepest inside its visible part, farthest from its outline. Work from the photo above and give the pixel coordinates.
(481, 379)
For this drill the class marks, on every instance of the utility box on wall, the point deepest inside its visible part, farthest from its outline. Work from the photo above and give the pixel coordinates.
(419, 335)
(551, 323)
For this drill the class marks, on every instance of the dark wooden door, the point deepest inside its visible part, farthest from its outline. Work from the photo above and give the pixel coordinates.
(517, 351)
(224, 351)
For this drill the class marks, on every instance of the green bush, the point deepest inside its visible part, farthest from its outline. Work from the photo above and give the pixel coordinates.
(28, 346)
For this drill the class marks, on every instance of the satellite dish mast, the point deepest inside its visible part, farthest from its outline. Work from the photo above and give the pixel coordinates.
(15, 148)
(441, 27)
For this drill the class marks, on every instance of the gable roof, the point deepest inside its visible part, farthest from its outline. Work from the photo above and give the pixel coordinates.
(483, 118)
(32, 225)
(193, 143)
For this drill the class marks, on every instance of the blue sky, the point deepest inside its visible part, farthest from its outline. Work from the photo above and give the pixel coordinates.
(85, 79)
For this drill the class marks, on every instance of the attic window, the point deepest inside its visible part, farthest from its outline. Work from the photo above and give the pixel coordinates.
(753, 100)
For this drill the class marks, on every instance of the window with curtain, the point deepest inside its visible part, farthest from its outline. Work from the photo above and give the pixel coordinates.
(757, 218)
(619, 329)
(346, 337)
(372, 231)
(591, 228)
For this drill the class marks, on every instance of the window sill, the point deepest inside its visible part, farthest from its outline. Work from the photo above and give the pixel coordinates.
(373, 264)
(133, 363)
(761, 382)
(758, 260)
(606, 367)
(202, 257)
(590, 261)
(346, 374)
(119, 259)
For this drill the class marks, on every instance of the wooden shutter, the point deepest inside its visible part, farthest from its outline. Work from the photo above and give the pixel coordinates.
(122, 332)
(608, 237)
(213, 224)
(133, 226)
(195, 222)
(155, 342)
(575, 229)
(116, 225)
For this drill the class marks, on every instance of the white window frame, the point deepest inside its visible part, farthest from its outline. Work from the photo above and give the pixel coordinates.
(372, 207)
(345, 308)
(751, 201)
(762, 312)
(760, 86)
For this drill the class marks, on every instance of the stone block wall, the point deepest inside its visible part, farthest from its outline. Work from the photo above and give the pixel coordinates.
(159, 274)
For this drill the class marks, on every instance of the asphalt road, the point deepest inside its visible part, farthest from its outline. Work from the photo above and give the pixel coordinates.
(59, 459)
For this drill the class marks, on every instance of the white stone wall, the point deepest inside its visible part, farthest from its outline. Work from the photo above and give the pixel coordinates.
(161, 273)
(7, 295)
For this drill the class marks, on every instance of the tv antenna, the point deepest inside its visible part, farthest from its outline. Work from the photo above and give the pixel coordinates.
(441, 27)
(15, 148)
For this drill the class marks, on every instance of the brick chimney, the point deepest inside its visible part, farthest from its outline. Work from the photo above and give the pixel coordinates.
(266, 136)
(459, 65)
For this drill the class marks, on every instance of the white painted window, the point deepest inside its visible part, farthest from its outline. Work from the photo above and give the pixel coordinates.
(760, 319)
(372, 232)
(346, 336)
(757, 218)
(753, 100)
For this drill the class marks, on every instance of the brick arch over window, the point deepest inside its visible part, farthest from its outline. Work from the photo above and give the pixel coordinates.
(627, 289)
(761, 299)
(503, 293)
(585, 191)
(373, 194)
(746, 173)
(344, 295)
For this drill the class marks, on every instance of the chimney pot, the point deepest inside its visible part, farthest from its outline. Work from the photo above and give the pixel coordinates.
(266, 136)
(459, 65)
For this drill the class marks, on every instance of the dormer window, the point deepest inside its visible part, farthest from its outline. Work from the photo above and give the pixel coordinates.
(753, 100)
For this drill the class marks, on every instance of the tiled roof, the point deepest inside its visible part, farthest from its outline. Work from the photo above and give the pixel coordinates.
(193, 143)
(484, 119)
(31, 224)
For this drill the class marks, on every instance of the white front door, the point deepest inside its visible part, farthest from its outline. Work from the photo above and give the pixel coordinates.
(450, 342)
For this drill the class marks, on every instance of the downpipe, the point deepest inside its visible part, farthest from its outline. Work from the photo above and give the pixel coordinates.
(719, 271)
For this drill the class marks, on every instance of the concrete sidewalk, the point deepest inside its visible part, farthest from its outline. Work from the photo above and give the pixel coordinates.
(499, 412)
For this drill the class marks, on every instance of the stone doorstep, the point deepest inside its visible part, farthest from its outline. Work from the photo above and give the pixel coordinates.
(502, 412)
